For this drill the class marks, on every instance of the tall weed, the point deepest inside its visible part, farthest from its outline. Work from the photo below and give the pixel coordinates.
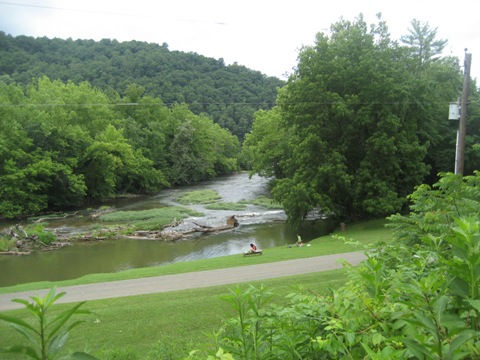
(48, 334)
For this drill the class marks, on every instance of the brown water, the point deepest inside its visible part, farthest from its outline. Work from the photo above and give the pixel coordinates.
(264, 227)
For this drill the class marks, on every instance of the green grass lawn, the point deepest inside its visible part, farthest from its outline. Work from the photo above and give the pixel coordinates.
(168, 325)
(139, 326)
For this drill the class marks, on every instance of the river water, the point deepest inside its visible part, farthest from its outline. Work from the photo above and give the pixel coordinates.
(266, 228)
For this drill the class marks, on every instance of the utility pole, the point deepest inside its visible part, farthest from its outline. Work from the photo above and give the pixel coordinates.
(462, 129)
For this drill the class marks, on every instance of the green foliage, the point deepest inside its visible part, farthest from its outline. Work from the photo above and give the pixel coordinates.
(199, 149)
(110, 165)
(49, 334)
(434, 208)
(382, 312)
(423, 43)
(248, 334)
(465, 262)
(46, 237)
(418, 301)
(357, 126)
(6, 243)
(267, 145)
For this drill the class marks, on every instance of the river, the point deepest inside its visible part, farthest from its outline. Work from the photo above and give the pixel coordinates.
(266, 228)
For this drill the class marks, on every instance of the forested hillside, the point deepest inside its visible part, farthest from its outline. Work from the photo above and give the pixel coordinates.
(229, 94)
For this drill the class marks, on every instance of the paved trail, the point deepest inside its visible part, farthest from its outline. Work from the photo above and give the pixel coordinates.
(188, 280)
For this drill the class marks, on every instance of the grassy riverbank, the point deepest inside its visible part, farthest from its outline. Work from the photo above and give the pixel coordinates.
(366, 234)
(168, 325)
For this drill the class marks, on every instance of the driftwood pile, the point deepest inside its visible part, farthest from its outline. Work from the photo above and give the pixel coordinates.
(24, 243)
(167, 234)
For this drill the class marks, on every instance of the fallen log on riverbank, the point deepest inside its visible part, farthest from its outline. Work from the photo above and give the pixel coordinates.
(20, 243)
(210, 229)
(172, 235)
(90, 237)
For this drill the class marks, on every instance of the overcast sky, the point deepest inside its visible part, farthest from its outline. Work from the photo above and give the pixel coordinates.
(263, 35)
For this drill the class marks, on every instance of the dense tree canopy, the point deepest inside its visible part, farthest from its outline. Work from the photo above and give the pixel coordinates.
(360, 122)
(62, 144)
(227, 94)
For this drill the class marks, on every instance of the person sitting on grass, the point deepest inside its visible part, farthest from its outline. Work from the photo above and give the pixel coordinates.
(300, 243)
(253, 248)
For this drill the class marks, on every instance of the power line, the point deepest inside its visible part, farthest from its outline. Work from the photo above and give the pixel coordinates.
(220, 103)
(133, 104)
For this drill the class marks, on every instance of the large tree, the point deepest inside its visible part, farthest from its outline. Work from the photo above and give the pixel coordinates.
(422, 41)
(37, 152)
(437, 82)
(358, 126)
(198, 149)
(110, 166)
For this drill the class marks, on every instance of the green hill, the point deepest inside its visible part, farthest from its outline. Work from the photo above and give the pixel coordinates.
(229, 94)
